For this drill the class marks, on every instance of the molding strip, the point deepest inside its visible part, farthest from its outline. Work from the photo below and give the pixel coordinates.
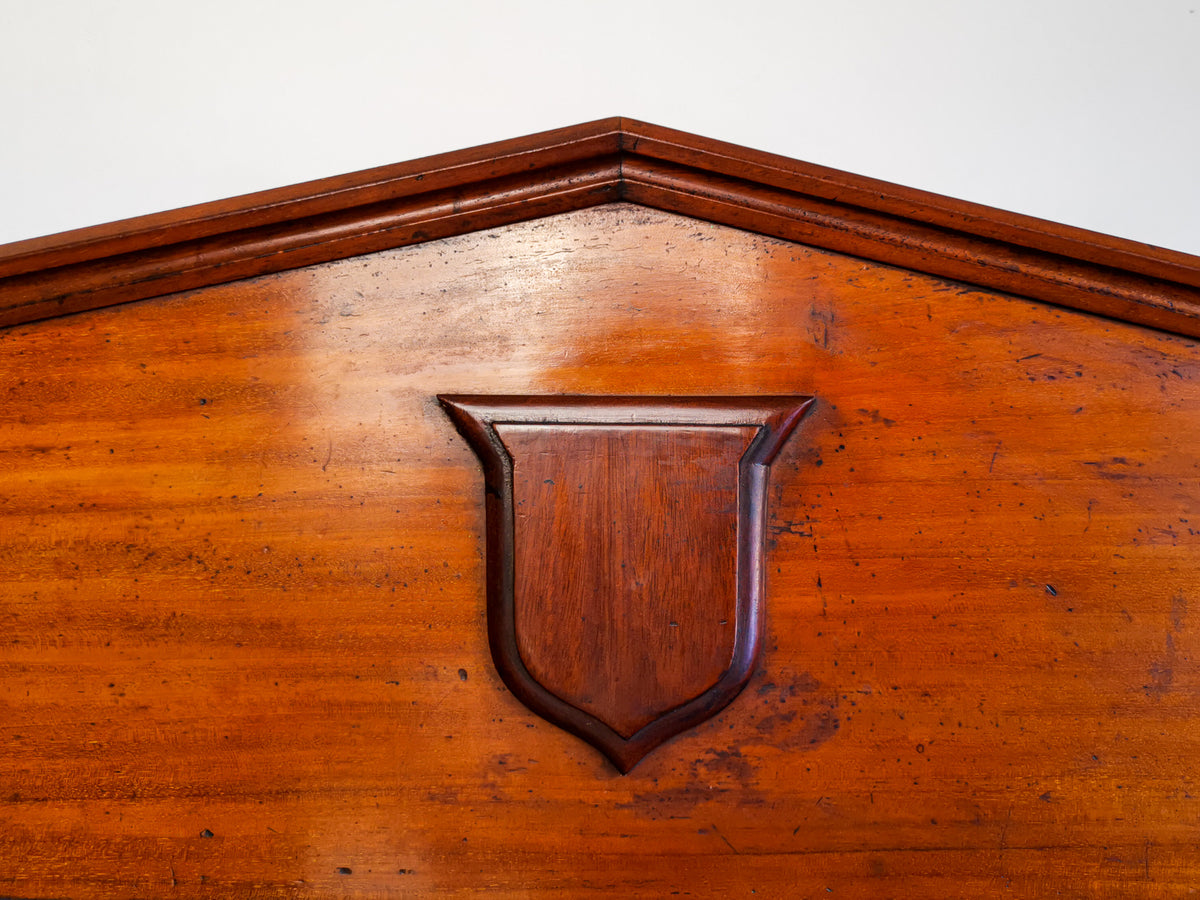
(587, 165)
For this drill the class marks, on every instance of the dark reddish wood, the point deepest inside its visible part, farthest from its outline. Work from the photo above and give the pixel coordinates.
(579, 167)
(625, 554)
(625, 563)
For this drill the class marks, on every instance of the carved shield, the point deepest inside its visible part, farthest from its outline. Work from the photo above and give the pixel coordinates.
(625, 554)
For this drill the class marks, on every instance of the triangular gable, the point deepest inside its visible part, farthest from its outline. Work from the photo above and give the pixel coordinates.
(572, 168)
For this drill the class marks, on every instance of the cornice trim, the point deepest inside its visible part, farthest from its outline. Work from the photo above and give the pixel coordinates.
(587, 165)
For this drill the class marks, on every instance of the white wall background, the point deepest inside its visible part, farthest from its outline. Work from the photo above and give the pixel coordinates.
(1081, 111)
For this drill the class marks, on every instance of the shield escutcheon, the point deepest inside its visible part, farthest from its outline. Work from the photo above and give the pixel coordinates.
(625, 554)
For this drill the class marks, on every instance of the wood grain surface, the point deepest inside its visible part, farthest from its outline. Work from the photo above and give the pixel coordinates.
(627, 591)
(242, 586)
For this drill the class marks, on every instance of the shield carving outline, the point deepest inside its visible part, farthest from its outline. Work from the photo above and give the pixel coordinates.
(625, 544)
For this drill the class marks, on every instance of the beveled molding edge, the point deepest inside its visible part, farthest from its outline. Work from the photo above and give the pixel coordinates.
(475, 417)
(607, 161)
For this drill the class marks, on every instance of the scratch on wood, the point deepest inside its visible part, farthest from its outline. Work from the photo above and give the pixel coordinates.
(717, 832)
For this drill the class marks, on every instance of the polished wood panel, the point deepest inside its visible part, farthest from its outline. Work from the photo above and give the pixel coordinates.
(583, 166)
(627, 594)
(242, 587)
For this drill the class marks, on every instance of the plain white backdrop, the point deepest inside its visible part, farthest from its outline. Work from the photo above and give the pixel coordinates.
(1081, 111)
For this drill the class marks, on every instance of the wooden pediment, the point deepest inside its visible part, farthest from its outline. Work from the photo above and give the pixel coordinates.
(610, 512)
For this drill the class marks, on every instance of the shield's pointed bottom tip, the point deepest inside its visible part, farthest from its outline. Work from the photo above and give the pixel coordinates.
(624, 759)
(625, 766)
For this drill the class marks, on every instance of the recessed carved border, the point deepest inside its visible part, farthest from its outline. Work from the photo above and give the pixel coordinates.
(476, 418)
